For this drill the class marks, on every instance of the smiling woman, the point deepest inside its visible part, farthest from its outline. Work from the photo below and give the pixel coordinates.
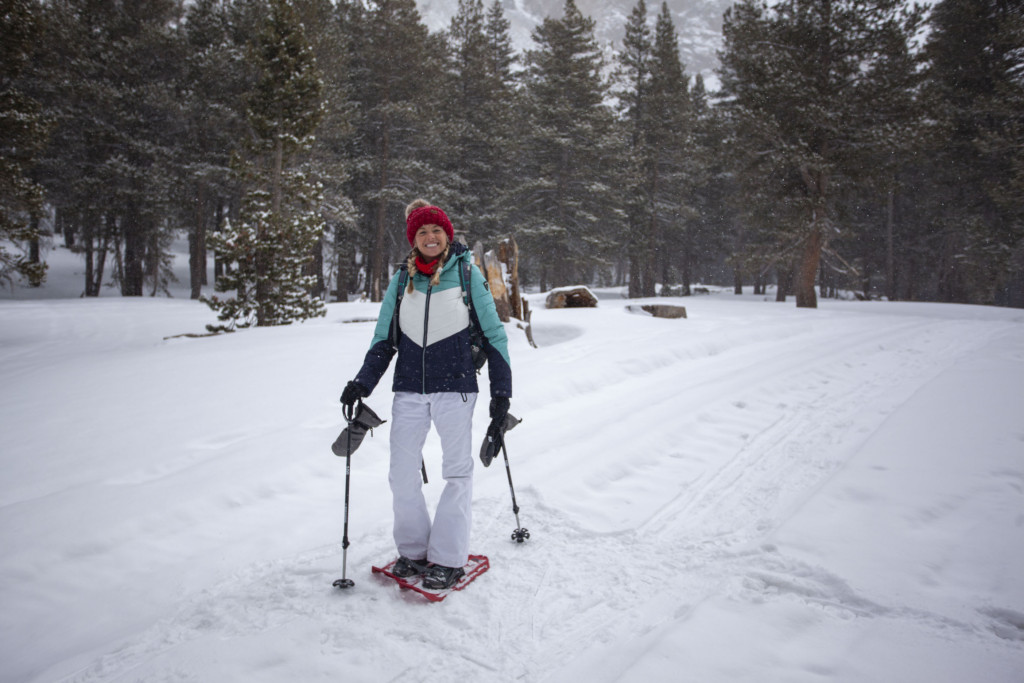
(435, 385)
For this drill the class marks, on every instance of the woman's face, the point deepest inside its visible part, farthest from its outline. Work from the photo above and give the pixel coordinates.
(431, 241)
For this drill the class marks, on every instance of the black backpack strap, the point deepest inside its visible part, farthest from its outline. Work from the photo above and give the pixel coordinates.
(465, 280)
(477, 339)
(403, 279)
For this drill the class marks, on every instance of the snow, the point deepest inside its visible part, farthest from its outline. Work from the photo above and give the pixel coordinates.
(755, 493)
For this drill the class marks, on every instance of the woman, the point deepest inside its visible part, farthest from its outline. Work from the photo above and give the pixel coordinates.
(435, 382)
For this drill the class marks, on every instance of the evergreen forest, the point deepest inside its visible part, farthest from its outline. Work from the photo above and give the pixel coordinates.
(866, 146)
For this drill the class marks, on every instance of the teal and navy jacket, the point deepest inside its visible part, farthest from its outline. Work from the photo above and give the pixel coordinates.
(434, 353)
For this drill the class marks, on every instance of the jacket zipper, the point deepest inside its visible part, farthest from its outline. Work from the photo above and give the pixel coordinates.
(423, 352)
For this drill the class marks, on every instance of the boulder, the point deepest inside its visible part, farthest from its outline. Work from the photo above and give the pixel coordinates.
(659, 310)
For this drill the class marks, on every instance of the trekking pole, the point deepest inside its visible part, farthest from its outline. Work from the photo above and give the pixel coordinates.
(344, 582)
(520, 534)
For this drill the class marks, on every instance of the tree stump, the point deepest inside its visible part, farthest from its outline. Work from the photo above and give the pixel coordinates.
(500, 267)
(494, 272)
(508, 253)
(571, 297)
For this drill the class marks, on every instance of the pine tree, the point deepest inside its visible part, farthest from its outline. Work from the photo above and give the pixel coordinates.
(503, 114)
(67, 77)
(141, 62)
(877, 210)
(397, 91)
(215, 80)
(567, 210)
(713, 199)
(280, 223)
(641, 180)
(23, 131)
(325, 24)
(662, 236)
(802, 80)
(108, 75)
(680, 165)
(479, 115)
(499, 44)
(464, 126)
(974, 88)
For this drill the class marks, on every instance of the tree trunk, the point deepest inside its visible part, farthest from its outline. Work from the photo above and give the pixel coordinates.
(153, 256)
(379, 245)
(316, 268)
(738, 247)
(66, 227)
(34, 256)
(826, 281)
(218, 264)
(133, 274)
(264, 315)
(95, 261)
(784, 280)
(687, 269)
(380, 242)
(816, 181)
(890, 249)
(655, 246)
(101, 257)
(635, 279)
(342, 260)
(197, 244)
(87, 237)
(808, 269)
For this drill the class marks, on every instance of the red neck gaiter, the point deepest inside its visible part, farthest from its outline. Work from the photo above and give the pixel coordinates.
(426, 268)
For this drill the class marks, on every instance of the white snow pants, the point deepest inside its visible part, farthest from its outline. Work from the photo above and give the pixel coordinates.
(446, 540)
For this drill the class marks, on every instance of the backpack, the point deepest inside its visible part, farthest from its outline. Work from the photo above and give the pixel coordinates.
(476, 333)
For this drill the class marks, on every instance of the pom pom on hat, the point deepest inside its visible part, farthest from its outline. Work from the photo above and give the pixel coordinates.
(420, 213)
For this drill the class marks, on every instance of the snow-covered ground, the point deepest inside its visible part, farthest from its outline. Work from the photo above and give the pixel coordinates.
(755, 493)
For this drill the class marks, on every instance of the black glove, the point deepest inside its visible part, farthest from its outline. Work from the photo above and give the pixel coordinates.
(499, 409)
(495, 434)
(501, 422)
(352, 393)
(364, 420)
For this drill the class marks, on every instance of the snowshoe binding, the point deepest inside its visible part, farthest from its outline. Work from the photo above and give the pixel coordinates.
(404, 567)
(439, 577)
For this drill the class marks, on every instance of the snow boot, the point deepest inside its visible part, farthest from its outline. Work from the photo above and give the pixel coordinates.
(438, 577)
(405, 567)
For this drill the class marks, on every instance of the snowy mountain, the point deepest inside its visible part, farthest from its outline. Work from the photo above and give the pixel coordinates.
(698, 22)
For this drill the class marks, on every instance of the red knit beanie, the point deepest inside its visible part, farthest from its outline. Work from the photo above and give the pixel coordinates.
(427, 215)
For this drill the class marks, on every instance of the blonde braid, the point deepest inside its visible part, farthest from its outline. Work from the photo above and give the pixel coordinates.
(410, 267)
(436, 280)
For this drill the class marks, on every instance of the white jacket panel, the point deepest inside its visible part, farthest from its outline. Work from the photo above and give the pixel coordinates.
(448, 315)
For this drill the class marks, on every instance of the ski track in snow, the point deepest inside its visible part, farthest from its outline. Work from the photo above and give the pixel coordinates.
(748, 428)
(800, 422)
